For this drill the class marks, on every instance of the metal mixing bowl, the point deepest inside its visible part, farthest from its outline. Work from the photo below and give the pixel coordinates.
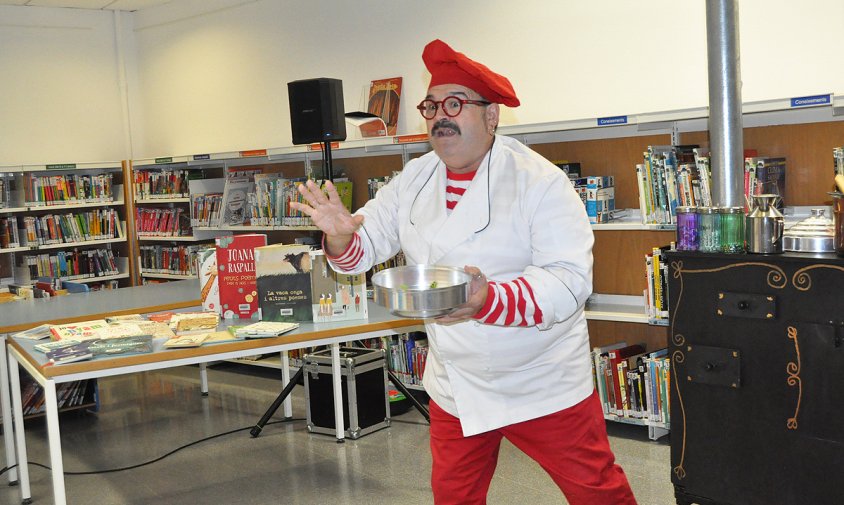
(421, 291)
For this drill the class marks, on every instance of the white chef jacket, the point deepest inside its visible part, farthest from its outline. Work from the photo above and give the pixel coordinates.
(519, 217)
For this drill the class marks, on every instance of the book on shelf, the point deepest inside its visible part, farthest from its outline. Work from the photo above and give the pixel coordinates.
(5, 190)
(236, 274)
(264, 329)
(764, 175)
(171, 259)
(656, 294)
(384, 99)
(72, 264)
(376, 183)
(94, 224)
(614, 358)
(205, 209)
(235, 208)
(265, 202)
(600, 362)
(67, 188)
(162, 222)
(155, 183)
(209, 293)
(666, 180)
(9, 234)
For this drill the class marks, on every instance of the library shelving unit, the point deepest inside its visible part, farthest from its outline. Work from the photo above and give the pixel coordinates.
(160, 205)
(69, 221)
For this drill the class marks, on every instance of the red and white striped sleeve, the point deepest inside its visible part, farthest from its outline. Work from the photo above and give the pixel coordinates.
(510, 304)
(349, 259)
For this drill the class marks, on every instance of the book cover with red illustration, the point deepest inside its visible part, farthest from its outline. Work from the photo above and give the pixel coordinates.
(236, 274)
(384, 97)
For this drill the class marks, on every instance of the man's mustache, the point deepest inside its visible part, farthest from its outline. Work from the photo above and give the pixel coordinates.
(445, 124)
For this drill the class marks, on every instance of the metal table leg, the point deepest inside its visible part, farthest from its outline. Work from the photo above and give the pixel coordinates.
(203, 379)
(285, 380)
(338, 392)
(55, 442)
(20, 439)
(6, 413)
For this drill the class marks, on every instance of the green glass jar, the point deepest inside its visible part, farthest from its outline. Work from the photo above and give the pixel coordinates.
(709, 223)
(732, 229)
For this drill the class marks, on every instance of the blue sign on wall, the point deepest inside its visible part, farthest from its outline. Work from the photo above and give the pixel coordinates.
(804, 101)
(612, 120)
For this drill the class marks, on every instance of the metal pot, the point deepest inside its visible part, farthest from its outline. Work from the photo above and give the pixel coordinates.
(813, 234)
(764, 225)
(421, 291)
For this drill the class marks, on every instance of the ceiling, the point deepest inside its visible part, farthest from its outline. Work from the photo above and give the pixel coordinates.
(115, 5)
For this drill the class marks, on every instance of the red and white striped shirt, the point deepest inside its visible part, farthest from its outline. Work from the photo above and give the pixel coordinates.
(510, 304)
(507, 303)
(455, 185)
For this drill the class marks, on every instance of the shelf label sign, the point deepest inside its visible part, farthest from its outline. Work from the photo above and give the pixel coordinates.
(200, 157)
(318, 146)
(806, 101)
(612, 120)
(408, 139)
(61, 166)
(252, 153)
(164, 160)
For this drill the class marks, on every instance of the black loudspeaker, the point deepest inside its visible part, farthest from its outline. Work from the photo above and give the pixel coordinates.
(316, 110)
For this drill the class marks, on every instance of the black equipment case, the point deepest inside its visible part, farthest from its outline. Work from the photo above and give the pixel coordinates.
(363, 377)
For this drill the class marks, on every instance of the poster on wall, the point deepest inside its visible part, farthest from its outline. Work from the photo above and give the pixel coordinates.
(384, 95)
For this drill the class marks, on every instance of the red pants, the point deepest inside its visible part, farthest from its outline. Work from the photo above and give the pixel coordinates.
(571, 445)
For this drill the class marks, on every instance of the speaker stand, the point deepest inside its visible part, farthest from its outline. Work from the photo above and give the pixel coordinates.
(326, 161)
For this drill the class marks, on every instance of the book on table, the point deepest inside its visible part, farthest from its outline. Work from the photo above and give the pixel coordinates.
(68, 354)
(194, 339)
(130, 344)
(265, 329)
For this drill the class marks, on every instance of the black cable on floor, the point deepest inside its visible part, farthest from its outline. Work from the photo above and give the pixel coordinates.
(174, 451)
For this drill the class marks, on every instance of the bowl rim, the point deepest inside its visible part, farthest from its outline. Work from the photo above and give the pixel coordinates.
(377, 275)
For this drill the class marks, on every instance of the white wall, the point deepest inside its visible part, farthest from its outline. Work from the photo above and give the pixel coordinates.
(59, 96)
(218, 81)
(210, 75)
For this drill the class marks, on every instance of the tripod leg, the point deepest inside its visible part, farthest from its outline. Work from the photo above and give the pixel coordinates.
(256, 430)
(401, 387)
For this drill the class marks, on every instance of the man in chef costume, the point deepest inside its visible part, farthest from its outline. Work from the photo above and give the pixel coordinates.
(514, 360)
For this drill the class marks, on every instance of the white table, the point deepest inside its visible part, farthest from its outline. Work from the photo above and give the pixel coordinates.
(21, 354)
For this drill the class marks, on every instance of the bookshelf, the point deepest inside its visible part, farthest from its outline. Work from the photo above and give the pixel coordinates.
(66, 221)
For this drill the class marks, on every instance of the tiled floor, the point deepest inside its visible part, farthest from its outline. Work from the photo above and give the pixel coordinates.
(144, 416)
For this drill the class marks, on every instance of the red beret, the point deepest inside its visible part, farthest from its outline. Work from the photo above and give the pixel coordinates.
(448, 66)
